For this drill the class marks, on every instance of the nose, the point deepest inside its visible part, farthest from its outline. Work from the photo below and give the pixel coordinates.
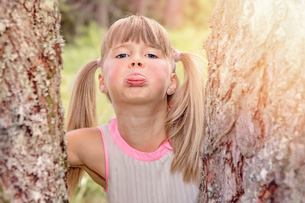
(136, 62)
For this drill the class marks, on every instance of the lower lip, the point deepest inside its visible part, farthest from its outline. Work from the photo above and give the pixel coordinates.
(136, 83)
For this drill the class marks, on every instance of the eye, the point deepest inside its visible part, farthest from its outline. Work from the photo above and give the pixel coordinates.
(151, 56)
(122, 56)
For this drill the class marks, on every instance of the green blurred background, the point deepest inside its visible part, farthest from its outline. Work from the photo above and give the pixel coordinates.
(84, 23)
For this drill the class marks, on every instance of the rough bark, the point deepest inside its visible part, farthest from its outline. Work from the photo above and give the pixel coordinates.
(32, 157)
(255, 103)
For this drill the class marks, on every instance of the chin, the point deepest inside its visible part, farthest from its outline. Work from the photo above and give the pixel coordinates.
(138, 99)
(136, 93)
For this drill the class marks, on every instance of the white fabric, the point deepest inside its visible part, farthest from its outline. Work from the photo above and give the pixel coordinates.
(134, 181)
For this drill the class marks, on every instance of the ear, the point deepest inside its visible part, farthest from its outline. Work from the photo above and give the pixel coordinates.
(173, 84)
(102, 85)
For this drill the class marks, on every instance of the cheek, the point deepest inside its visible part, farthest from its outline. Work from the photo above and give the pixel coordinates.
(112, 78)
(111, 72)
(163, 72)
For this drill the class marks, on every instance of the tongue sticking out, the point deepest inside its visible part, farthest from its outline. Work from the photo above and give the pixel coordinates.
(136, 80)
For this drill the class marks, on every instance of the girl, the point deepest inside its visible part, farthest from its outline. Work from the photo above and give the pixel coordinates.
(151, 151)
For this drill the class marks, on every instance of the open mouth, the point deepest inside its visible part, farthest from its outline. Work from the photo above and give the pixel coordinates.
(136, 80)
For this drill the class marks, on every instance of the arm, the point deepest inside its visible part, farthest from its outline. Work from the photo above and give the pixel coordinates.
(86, 150)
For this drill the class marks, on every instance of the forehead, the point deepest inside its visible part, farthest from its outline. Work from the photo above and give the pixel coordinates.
(126, 40)
(132, 44)
(138, 29)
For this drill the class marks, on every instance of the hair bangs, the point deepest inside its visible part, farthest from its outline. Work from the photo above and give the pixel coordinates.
(137, 29)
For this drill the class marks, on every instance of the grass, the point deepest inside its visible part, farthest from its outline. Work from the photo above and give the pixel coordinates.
(86, 49)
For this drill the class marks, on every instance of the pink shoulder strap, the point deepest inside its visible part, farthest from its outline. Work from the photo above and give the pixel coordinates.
(106, 157)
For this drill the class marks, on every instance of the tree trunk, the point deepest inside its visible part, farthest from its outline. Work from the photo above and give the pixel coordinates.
(255, 103)
(32, 147)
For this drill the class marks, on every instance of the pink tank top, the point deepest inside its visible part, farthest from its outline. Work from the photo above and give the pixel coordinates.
(138, 177)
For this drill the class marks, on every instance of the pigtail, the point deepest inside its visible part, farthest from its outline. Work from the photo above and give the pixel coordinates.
(81, 113)
(185, 121)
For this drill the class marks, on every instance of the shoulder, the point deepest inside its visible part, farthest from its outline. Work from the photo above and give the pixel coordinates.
(84, 145)
(86, 150)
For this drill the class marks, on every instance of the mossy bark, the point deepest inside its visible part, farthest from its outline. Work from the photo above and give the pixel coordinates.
(32, 147)
(255, 103)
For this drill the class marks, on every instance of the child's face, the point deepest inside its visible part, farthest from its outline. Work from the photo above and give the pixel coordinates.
(137, 73)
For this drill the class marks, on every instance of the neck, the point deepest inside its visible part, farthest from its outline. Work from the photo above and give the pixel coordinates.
(142, 126)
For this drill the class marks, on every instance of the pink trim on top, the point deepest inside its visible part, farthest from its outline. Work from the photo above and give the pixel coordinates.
(106, 158)
(141, 156)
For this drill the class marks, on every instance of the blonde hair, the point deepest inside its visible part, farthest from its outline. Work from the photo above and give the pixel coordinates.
(185, 120)
(81, 113)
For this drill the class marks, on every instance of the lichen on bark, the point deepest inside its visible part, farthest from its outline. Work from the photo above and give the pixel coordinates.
(32, 146)
(255, 103)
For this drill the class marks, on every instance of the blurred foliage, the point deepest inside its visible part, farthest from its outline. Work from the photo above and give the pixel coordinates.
(68, 21)
(89, 192)
(86, 34)
(77, 14)
(197, 12)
